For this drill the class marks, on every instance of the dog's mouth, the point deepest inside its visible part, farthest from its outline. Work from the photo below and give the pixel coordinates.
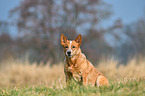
(69, 55)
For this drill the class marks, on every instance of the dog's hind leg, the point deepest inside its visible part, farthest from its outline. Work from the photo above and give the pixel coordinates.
(102, 81)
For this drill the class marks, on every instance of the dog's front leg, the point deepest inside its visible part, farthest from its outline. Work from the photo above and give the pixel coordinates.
(68, 76)
(84, 79)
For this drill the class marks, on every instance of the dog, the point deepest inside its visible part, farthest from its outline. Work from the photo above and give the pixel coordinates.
(77, 67)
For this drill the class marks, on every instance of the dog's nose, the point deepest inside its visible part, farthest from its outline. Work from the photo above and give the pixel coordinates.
(69, 52)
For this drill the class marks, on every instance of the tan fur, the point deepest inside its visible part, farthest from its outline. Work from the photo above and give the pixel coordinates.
(78, 67)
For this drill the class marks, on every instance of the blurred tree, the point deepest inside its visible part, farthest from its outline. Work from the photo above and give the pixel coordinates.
(135, 42)
(41, 22)
(4, 27)
(6, 42)
(128, 40)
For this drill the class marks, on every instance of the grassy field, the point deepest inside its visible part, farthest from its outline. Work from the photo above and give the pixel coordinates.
(129, 88)
(22, 78)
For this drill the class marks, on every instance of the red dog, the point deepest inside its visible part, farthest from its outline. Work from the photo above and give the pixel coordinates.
(77, 66)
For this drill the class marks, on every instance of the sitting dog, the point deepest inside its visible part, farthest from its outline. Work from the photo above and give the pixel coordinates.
(78, 67)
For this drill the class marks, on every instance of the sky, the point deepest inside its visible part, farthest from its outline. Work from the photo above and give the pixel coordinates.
(5, 7)
(127, 10)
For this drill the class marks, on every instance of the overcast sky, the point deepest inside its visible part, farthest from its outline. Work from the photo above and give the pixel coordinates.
(127, 10)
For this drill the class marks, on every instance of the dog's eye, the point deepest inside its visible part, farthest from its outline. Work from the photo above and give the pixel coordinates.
(66, 46)
(73, 47)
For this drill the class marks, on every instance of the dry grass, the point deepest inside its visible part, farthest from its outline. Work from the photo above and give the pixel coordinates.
(16, 73)
(134, 70)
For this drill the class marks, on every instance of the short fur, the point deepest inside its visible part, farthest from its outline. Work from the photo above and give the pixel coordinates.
(78, 67)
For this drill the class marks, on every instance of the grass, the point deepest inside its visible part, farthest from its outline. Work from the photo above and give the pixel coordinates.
(129, 88)
(22, 78)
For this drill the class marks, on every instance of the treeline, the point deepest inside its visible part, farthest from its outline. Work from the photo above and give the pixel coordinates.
(41, 22)
(43, 49)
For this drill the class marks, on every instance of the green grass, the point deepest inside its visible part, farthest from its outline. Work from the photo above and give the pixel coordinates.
(125, 88)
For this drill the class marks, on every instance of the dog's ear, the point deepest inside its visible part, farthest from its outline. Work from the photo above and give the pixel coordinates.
(63, 39)
(79, 39)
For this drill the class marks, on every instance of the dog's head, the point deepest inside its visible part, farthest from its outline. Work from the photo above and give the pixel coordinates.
(71, 48)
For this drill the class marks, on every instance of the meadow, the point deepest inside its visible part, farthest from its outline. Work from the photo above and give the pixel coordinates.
(22, 78)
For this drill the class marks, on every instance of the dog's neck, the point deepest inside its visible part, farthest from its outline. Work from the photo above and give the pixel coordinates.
(73, 60)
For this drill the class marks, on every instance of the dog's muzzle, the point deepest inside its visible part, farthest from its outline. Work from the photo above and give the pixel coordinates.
(69, 54)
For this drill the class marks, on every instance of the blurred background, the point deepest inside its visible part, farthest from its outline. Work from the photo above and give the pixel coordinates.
(110, 28)
(113, 34)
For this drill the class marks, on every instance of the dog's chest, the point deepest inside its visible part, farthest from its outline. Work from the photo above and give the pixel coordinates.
(76, 72)
(74, 67)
